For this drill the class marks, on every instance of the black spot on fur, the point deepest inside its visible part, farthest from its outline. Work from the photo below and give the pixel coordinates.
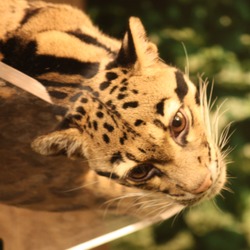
(199, 159)
(104, 85)
(131, 157)
(113, 107)
(138, 122)
(77, 117)
(109, 127)
(81, 110)
(165, 191)
(99, 114)
(109, 102)
(182, 87)
(108, 174)
(106, 138)
(116, 158)
(89, 125)
(95, 125)
(88, 118)
(96, 94)
(84, 100)
(160, 107)
(125, 80)
(113, 89)
(135, 91)
(159, 124)
(123, 89)
(122, 139)
(142, 150)
(75, 97)
(58, 94)
(121, 96)
(111, 76)
(130, 105)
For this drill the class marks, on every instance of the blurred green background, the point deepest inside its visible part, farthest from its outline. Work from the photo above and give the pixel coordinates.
(216, 34)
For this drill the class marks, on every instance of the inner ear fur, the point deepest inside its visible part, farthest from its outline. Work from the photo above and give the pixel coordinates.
(67, 141)
(136, 50)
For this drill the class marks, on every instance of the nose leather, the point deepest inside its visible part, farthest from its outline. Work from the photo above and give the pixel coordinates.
(205, 185)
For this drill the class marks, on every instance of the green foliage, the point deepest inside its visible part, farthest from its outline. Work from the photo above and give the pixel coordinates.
(216, 35)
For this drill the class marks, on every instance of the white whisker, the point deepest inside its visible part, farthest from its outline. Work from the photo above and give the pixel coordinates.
(225, 136)
(187, 61)
(81, 187)
(159, 210)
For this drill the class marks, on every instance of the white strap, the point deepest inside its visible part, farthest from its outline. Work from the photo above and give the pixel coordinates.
(24, 81)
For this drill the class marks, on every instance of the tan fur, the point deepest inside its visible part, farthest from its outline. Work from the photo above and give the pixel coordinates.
(78, 51)
(14, 11)
(136, 120)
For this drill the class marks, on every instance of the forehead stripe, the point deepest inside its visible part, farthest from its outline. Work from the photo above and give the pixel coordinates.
(182, 87)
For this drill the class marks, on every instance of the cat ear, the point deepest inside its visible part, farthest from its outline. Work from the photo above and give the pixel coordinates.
(68, 141)
(136, 50)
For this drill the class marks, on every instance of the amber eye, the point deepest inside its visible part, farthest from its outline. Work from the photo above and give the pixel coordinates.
(178, 124)
(141, 172)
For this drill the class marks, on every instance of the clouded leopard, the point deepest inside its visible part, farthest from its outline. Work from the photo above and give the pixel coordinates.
(137, 120)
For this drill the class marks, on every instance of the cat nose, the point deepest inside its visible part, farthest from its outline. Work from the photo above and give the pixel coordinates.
(205, 185)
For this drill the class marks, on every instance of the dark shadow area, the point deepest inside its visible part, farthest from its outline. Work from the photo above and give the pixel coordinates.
(1, 244)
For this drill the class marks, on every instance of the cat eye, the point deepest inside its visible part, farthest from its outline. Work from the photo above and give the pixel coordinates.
(178, 124)
(142, 172)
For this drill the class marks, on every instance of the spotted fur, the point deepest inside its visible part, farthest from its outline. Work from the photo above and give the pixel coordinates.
(122, 106)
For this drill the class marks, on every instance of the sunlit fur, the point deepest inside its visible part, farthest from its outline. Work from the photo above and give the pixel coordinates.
(152, 204)
(137, 96)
